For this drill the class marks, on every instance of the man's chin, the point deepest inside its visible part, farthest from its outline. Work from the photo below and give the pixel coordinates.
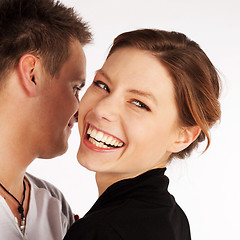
(54, 152)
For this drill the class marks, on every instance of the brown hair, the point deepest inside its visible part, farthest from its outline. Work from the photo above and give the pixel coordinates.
(195, 79)
(44, 28)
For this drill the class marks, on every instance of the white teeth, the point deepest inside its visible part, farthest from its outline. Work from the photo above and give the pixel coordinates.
(104, 138)
(89, 131)
(109, 139)
(113, 142)
(93, 133)
(98, 138)
(120, 144)
(90, 140)
(100, 145)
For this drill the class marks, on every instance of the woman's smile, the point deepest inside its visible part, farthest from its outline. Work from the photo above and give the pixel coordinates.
(101, 140)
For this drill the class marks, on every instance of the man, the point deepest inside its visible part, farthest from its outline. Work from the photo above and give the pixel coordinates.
(42, 68)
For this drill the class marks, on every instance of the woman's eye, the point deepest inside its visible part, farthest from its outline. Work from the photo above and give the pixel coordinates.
(141, 105)
(101, 85)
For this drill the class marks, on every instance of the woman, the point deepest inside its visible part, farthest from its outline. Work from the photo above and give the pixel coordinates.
(154, 99)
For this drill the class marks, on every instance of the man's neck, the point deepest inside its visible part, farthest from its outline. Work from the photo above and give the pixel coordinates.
(16, 151)
(14, 160)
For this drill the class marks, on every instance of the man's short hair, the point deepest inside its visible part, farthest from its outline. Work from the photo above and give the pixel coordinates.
(44, 28)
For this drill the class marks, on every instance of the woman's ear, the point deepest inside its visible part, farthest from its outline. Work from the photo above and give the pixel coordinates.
(186, 136)
(27, 67)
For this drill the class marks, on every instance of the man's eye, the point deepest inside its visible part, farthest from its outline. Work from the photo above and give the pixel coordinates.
(141, 105)
(76, 90)
(102, 85)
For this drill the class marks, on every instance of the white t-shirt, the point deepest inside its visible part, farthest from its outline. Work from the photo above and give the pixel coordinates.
(49, 215)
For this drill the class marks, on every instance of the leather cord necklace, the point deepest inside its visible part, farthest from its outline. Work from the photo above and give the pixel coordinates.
(20, 207)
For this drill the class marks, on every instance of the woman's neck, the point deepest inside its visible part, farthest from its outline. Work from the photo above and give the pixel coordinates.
(105, 180)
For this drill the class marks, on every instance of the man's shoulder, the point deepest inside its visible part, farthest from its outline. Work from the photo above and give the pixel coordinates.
(48, 190)
(42, 184)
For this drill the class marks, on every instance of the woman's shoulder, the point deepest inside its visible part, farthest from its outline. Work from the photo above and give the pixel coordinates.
(133, 220)
(92, 229)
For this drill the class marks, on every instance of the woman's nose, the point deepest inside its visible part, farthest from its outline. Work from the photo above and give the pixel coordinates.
(107, 109)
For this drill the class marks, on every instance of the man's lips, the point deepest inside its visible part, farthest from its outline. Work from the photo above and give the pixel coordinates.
(73, 120)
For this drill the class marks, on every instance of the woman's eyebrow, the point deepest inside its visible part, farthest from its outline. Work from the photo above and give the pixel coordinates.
(134, 91)
(100, 71)
(144, 94)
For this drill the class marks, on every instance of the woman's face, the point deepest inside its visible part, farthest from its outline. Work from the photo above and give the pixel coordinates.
(128, 118)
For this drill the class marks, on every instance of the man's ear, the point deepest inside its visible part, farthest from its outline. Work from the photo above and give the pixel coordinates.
(186, 136)
(27, 68)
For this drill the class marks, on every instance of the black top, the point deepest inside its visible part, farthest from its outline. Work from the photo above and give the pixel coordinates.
(139, 208)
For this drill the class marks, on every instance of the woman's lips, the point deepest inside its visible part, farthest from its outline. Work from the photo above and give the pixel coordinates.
(98, 139)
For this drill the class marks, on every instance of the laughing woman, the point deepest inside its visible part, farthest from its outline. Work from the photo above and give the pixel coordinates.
(154, 99)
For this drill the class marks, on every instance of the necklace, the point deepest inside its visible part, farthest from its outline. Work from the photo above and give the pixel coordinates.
(20, 207)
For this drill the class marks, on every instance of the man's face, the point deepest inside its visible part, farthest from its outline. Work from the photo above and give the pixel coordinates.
(57, 104)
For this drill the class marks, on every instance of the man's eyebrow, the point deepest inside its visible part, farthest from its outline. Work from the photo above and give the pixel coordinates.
(100, 71)
(143, 94)
(81, 82)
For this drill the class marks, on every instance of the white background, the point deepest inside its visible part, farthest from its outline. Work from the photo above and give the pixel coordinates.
(205, 186)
